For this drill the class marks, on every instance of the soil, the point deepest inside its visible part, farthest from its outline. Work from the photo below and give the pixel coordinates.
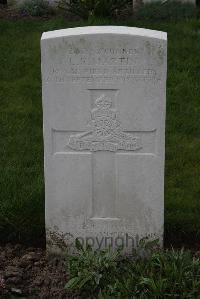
(30, 273)
(8, 13)
(12, 14)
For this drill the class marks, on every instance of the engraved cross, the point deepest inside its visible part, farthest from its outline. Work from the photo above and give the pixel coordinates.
(104, 139)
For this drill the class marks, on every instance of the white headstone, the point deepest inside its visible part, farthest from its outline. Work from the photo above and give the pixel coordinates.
(104, 97)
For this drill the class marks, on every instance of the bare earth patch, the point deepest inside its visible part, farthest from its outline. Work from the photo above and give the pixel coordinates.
(29, 273)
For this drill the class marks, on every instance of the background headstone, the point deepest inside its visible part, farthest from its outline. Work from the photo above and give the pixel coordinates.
(104, 94)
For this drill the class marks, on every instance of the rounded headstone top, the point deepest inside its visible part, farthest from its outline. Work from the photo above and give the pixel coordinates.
(93, 30)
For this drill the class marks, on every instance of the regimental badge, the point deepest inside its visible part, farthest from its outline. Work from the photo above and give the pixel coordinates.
(106, 132)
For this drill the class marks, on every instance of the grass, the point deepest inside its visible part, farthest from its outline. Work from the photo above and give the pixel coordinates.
(155, 274)
(21, 143)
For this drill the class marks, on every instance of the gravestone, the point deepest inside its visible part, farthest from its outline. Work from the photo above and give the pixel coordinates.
(104, 94)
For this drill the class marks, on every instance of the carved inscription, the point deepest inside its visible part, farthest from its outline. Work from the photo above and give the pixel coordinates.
(106, 132)
(106, 65)
(105, 75)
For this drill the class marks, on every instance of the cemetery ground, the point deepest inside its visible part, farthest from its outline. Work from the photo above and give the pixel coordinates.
(21, 163)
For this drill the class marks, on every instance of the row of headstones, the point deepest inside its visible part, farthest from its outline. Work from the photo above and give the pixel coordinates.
(104, 94)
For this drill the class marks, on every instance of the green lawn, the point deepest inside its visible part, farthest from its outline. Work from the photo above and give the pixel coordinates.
(21, 147)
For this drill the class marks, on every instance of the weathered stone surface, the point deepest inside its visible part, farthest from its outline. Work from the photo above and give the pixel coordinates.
(104, 126)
